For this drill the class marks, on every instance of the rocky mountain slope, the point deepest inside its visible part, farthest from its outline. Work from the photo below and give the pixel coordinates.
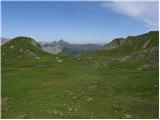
(145, 46)
(135, 43)
(62, 46)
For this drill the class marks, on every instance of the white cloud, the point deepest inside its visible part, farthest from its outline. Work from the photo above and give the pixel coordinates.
(146, 11)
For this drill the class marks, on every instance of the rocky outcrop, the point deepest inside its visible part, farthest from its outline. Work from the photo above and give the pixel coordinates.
(114, 44)
(143, 46)
(151, 54)
(54, 50)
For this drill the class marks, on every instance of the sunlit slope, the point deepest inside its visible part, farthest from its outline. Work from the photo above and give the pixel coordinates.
(22, 50)
(145, 46)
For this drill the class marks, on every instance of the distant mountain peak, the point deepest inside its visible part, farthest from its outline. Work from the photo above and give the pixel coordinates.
(56, 47)
(61, 40)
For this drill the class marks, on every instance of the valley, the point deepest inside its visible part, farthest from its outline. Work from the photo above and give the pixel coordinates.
(117, 80)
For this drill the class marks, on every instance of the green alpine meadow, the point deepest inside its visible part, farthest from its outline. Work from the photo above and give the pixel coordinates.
(118, 80)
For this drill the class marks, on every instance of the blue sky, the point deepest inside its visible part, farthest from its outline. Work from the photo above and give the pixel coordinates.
(78, 22)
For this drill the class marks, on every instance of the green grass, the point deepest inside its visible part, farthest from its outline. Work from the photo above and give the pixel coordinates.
(47, 89)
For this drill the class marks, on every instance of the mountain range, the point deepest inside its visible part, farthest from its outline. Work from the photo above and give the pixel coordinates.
(56, 47)
(132, 47)
(60, 46)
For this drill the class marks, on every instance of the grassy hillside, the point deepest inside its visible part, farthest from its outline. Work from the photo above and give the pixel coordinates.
(144, 46)
(22, 49)
(63, 86)
(131, 44)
